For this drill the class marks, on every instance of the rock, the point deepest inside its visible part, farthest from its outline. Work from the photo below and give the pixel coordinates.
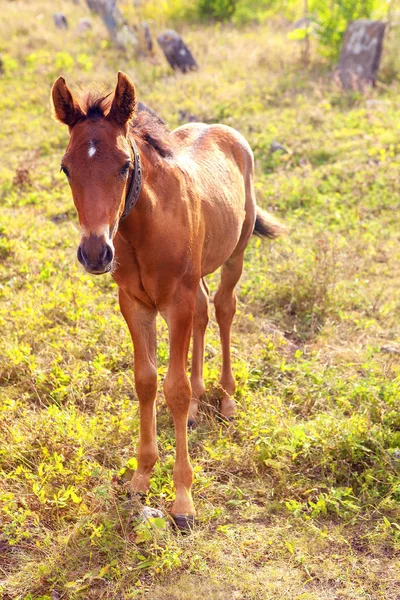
(84, 25)
(276, 146)
(94, 5)
(361, 53)
(60, 20)
(119, 31)
(176, 52)
(147, 37)
(150, 513)
(391, 348)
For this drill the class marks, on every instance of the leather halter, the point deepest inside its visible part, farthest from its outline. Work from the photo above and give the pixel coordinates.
(135, 185)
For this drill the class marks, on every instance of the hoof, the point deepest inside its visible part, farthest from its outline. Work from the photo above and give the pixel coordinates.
(185, 523)
(191, 424)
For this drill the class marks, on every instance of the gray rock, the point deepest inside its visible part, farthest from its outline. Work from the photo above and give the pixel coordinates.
(361, 53)
(147, 37)
(150, 513)
(391, 348)
(176, 52)
(119, 31)
(276, 146)
(84, 25)
(60, 21)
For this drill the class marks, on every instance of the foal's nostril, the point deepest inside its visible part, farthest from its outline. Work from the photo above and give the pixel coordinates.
(81, 256)
(108, 255)
(95, 254)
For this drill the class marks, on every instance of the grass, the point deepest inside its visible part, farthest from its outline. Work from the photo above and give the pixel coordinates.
(299, 498)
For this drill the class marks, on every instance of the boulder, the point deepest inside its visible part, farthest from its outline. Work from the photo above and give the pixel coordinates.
(176, 52)
(119, 31)
(361, 53)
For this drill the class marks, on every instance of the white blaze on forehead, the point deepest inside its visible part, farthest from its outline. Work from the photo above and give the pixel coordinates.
(92, 149)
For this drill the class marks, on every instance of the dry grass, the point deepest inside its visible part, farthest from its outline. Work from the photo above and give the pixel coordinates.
(299, 499)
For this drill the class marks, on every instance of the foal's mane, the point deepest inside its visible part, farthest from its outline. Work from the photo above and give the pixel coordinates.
(144, 125)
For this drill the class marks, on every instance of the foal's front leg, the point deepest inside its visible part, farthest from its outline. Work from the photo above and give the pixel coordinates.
(141, 321)
(177, 390)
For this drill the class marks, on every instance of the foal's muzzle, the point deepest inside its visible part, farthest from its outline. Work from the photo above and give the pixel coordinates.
(96, 255)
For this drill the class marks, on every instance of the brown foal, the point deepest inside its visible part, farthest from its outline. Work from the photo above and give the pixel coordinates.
(160, 211)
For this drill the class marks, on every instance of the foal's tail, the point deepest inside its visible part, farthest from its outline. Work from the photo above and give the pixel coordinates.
(267, 226)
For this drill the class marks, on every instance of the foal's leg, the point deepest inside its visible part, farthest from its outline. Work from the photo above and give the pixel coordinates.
(141, 321)
(200, 322)
(225, 308)
(178, 393)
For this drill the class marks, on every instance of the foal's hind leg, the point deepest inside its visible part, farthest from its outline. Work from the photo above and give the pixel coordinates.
(225, 308)
(200, 322)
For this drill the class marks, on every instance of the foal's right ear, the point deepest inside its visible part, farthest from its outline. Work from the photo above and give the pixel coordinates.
(66, 108)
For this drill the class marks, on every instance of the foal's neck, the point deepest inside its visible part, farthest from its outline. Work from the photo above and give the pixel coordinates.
(159, 176)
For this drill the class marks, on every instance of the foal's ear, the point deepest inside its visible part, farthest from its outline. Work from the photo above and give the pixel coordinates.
(123, 106)
(66, 108)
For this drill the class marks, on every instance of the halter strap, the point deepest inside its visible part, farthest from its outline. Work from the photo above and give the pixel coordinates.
(135, 185)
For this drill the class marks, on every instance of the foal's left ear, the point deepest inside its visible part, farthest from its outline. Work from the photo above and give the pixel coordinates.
(123, 106)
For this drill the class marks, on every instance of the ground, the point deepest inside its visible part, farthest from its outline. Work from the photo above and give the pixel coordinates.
(298, 498)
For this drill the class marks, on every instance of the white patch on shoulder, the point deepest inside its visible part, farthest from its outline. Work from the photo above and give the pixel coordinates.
(92, 149)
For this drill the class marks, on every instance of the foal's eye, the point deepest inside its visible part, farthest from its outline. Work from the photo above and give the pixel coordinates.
(125, 168)
(64, 170)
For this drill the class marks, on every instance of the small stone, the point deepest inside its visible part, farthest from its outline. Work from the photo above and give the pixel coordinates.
(84, 25)
(276, 146)
(60, 21)
(147, 37)
(150, 513)
(391, 348)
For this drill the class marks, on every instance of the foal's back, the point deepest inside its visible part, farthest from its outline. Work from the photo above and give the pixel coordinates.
(218, 163)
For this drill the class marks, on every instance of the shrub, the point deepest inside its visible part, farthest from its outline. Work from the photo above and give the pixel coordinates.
(332, 19)
(221, 10)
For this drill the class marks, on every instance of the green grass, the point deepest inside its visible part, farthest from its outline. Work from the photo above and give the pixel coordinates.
(299, 498)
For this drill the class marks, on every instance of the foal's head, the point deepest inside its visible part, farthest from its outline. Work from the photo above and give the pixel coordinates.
(97, 163)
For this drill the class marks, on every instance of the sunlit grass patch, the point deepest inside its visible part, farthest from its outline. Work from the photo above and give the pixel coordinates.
(299, 497)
